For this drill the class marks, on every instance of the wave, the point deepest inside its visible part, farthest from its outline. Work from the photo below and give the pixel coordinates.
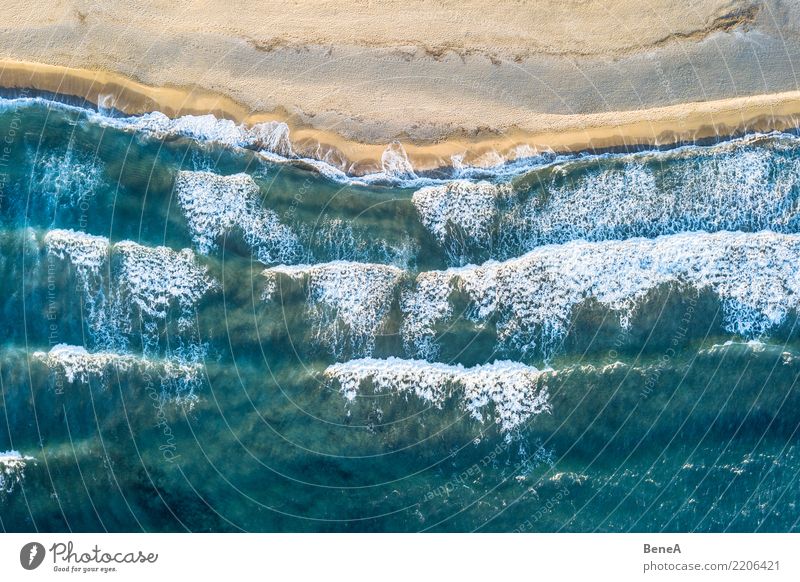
(87, 253)
(154, 278)
(462, 216)
(12, 469)
(271, 136)
(531, 298)
(747, 184)
(513, 391)
(272, 141)
(338, 239)
(65, 177)
(214, 205)
(144, 282)
(395, 163)
(347, 302)
(723, 188)
(177, 378)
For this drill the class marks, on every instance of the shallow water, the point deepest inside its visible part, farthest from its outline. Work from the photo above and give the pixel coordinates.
(199, 336)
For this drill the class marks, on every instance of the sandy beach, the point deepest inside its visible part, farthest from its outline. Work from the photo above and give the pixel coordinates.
(484, 81)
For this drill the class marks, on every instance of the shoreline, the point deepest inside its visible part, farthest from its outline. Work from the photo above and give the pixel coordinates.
(560, 133)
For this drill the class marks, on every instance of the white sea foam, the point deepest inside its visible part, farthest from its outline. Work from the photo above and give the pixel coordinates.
(395, 162)
(271, 136)
(517, 391)
(423, 307)
(746, 184)
(75, 363)
(532, 297)
(150, 280)
(564, 478)
(153, 278)
(348, 302)
(86, 253)
(751, 346)
(342, 240)
(513, 391)
(156, 278)
(177, 377)
(65, 177)
(12, 469)
(214, 205)
(272, 139)
(396, 168)
(461, 215)
(727, 187)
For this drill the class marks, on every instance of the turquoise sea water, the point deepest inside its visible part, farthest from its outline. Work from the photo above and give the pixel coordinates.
(200, 335)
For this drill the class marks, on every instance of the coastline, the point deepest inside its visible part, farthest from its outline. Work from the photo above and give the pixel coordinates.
(470, 82)
(658, 126)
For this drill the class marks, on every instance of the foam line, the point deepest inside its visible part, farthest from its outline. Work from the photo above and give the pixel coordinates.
(215, 205)
(347, 302)
(532, 297)
(512, 391)
(12, 469)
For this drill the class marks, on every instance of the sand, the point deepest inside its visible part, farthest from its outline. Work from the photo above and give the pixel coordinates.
(482, 80)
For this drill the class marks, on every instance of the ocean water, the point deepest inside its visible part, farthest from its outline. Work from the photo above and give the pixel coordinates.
(201, 332)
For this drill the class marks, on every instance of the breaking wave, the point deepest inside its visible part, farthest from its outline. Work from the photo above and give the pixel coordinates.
(271, 136)
(214, 205)
(462, 216)
(87, 253)
(532, 297)
(747, 184)
(271, 140)
(512, 392)
(12, 469)
(336, 239)
(144, 284)
(65, 177)
(178, 379)
(347, 302)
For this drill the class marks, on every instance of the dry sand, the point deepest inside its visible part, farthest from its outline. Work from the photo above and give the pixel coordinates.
(478, 79)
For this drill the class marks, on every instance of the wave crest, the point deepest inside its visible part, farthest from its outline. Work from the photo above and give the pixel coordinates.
(748, 184)
(347, 302)
(12, 469)
(515, 392)
(143, 281)
(462, 216)
(177, 378)
(532, 297)
(214, 205)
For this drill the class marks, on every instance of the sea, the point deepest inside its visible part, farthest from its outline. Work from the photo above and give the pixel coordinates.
(200, 330)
